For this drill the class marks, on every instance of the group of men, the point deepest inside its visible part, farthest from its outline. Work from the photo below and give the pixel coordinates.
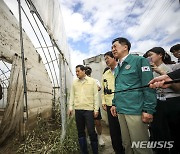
(129, 112)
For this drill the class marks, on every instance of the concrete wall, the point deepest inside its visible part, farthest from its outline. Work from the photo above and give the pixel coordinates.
(39, 85)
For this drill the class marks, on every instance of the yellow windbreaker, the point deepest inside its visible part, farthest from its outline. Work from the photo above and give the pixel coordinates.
(84, 95)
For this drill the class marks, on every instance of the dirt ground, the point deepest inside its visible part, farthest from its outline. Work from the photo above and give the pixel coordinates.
(8, 147)
(107, 149)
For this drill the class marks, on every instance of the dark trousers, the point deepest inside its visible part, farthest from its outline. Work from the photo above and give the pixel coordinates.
(115, 132)
(166, 124)
(85, 118)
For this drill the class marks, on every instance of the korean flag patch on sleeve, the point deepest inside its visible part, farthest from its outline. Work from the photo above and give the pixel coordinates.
(145, 68)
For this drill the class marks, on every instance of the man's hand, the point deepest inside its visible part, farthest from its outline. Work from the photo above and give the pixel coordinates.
(104, 106)
(146, 117)
(158, 82)
(113, 111)
(70, 113)
(96, 114)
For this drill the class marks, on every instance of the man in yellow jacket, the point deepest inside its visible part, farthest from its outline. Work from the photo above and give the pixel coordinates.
(108, 82)
(84, 99)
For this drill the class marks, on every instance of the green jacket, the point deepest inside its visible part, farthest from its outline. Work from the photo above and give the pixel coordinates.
(134, 72)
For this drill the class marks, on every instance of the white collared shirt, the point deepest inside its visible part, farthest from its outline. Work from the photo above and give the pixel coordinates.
(113, 70)
(122, 60)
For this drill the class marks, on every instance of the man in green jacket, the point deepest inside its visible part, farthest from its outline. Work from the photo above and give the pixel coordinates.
(134, 108)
